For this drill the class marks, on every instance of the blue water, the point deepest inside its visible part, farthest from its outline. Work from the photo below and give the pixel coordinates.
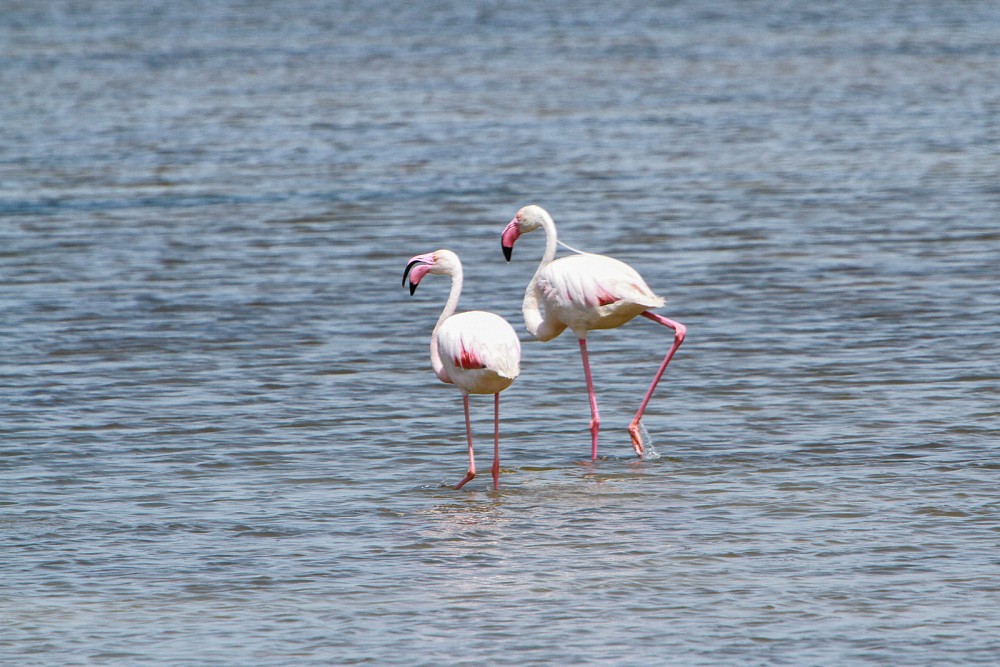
(221, 441)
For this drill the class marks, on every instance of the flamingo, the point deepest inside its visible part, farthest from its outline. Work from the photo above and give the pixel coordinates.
(476, 351)
(585, 292)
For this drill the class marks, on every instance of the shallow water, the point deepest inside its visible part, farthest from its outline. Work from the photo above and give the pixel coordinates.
(221, 439)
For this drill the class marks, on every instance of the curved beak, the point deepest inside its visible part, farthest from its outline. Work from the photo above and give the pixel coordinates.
(416, 269)
(509, 236)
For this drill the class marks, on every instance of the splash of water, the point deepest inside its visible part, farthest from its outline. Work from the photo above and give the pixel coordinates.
(649, 452)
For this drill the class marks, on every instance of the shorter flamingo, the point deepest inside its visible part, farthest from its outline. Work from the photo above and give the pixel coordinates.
(476, 351)
(585, 292)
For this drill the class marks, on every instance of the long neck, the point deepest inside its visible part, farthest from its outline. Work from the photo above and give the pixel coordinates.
(449, 310)
(550, 240)
(534, 320)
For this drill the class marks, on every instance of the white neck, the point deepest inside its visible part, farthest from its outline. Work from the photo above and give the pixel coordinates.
(449, 310)
(534, 321)
(550, 240)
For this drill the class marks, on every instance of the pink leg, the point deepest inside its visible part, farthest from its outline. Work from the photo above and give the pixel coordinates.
(679, 332)
(595, 416)
(468, 432)
(496, 442)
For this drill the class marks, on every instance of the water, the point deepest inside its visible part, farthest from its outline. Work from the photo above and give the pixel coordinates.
(221, 439)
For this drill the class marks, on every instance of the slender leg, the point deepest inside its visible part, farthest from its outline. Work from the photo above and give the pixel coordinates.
(496, 442)
(468, 432)
(595, 416)
(679, 332)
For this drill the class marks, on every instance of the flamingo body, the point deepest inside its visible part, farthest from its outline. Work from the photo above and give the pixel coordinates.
(479, 351)
(587, 292)
(476, 351)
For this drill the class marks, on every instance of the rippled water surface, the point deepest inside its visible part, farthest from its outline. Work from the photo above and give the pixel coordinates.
(220, 438)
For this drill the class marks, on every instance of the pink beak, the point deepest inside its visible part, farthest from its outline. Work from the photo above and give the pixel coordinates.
(510, 234)
(417, 268)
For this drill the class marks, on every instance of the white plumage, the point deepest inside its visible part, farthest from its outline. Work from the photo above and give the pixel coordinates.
(479, 351)
(588, 291)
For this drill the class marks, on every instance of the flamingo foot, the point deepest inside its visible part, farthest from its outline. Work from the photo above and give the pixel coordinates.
(469, 476)
(633, 430)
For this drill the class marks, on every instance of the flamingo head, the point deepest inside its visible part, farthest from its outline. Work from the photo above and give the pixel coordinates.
(528, 219)
(439, 261)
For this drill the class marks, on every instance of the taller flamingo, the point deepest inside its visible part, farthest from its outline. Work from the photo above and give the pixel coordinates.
(585, 292)
(476, 351)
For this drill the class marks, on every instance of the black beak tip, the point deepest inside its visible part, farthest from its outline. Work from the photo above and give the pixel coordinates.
(506, 251)
(413, 288)
(406, 274)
